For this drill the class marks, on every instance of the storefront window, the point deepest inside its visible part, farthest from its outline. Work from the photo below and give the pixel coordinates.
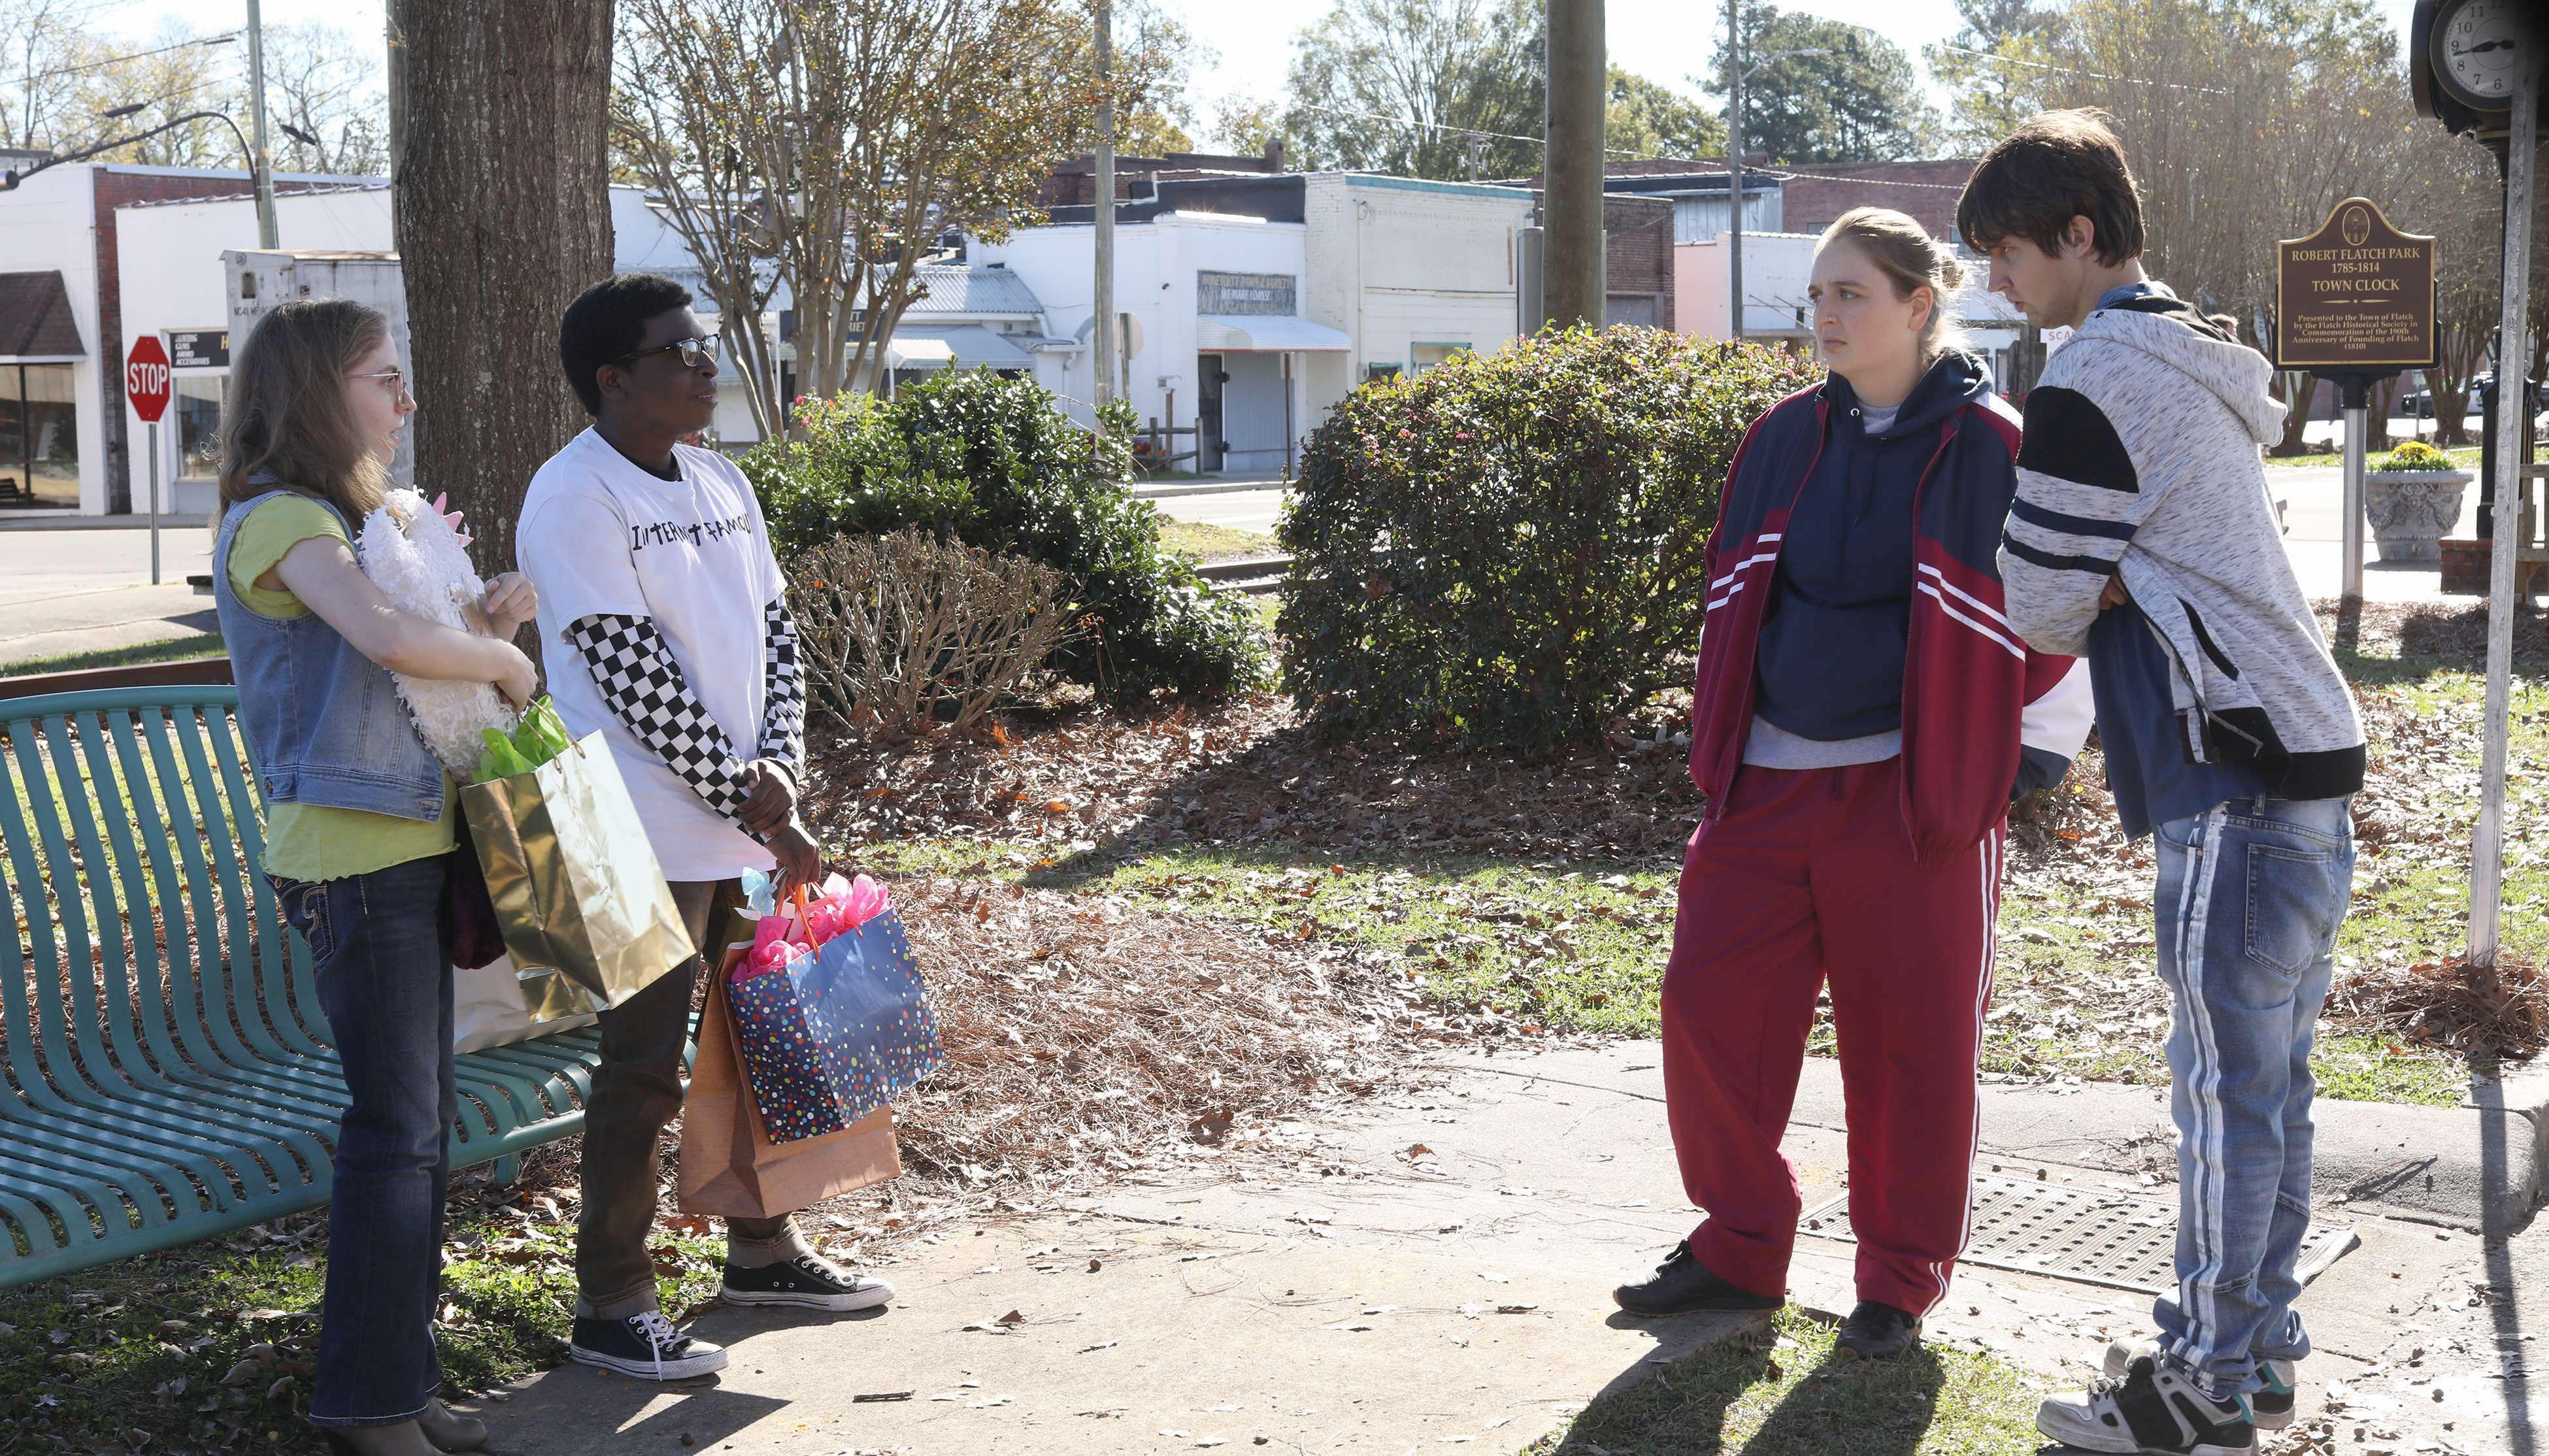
(39, 437)
(197, 407)
(1421, 357)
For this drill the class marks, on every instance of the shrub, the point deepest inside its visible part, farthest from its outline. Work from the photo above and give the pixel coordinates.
(1509, 547)
(904, 631)
(992, 462)
(2414, 455)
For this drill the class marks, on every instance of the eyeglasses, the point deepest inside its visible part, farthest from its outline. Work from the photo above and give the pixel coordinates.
(392, 380)
(698, 352)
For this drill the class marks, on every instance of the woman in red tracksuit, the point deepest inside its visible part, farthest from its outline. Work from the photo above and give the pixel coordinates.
(1863, 716)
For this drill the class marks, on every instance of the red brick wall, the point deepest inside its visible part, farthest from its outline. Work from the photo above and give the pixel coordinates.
(1073, 181)
(1817, 194)
(1637, 255)
(115, 189)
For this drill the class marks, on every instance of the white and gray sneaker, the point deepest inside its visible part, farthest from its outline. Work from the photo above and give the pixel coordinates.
(645, 1346)
(2270, 1406)
(806, 1282)
(2152, 1409)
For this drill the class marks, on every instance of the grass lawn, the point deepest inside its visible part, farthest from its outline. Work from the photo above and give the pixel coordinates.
(208, 1348)
(1785, 1390)
(1214, 543)
(1515, 923)
(174, 649)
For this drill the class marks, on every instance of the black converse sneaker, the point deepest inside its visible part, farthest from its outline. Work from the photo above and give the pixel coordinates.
(806, 1282)
(645, 1346)
(2270, 1408)
(2153, 1410)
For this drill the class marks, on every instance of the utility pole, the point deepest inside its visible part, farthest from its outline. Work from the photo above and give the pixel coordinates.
(1571, 182)
(260, 169)
(1102, 336)
(1735, 168)
(2512, 411)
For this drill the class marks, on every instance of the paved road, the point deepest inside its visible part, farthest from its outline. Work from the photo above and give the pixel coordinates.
(1243, 511)
(86, 590)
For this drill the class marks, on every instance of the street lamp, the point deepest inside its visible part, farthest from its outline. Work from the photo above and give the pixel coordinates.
(10, 179)
(1737, 73)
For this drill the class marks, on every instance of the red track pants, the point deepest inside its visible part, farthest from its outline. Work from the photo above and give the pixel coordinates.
(1809, 875)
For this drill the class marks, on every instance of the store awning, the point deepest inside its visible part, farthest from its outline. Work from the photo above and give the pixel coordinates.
(963, 348)
(1254, 333)
(35, 320)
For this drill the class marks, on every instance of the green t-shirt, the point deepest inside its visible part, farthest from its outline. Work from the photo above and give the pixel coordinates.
(314, 842)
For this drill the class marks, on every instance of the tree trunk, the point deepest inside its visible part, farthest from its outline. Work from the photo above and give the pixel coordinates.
(2295, 414)
(501, 191)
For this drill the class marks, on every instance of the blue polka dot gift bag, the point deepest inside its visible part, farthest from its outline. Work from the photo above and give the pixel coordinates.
(839, 1031)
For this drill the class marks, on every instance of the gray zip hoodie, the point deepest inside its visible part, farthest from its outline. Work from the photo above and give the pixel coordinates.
(2141, 459)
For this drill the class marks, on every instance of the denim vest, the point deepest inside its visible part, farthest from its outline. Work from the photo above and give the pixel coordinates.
(323, 724)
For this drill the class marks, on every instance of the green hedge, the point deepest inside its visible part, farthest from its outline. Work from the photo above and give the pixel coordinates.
(993, 461)
(1509, 547)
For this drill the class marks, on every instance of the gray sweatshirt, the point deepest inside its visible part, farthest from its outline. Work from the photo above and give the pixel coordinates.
(2140, 459)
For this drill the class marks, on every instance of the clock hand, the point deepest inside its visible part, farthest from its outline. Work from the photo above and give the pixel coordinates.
(2486, 45)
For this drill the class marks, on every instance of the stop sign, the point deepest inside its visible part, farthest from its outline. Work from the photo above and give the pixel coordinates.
(146, 378)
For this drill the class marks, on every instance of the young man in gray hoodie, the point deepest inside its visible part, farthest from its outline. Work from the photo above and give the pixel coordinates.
(2142, 540)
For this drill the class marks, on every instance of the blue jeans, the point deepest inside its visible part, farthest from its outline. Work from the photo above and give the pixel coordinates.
(382, 950)
(2250, 897)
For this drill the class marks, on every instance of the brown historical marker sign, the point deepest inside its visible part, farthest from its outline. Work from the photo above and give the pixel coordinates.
(2357, 294)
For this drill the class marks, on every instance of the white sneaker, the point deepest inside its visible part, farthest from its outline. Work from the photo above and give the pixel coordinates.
(2153, 1410)
(2270, 1408)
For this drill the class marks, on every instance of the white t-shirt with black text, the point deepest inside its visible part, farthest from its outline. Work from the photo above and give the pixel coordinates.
(599, 535)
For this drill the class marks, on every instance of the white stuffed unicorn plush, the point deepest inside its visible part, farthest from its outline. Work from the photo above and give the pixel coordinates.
(410, 551)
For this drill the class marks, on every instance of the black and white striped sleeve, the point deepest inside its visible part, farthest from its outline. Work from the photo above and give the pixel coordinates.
(783, 695)
(2079, 501)
(643, 683)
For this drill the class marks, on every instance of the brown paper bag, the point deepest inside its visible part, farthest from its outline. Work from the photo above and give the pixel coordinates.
(574, 881)
(730, 1165)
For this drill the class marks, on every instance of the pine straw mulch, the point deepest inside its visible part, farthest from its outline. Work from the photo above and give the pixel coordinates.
(1068, 776)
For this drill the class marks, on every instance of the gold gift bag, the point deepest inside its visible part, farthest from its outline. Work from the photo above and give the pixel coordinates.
(574, 881)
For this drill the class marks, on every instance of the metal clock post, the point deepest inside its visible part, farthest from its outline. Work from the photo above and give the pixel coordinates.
(2477, 66)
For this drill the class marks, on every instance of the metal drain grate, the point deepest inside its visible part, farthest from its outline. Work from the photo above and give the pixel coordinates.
(2088, 1234)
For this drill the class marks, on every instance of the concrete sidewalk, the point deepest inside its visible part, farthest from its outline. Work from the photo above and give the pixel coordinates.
(1439, 1272)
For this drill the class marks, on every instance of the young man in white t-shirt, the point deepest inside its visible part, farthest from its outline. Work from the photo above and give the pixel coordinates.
(664, 626)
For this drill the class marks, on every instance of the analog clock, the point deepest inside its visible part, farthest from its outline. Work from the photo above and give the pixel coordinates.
(2476, 48)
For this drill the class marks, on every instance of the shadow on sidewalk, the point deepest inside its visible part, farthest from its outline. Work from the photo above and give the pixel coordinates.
(701, 1412)
(1830, 1404)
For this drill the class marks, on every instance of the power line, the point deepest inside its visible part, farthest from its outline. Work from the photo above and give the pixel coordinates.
(223, 39)
(2075, 71)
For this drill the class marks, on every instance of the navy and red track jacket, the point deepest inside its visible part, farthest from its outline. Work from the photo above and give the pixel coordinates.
(1972, 689)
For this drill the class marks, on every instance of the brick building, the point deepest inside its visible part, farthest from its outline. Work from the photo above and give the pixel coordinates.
(1074, 183)
(1813, 196)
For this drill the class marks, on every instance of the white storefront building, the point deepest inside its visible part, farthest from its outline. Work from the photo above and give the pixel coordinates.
(160, 270)
(1253, 303)
(1778, 266)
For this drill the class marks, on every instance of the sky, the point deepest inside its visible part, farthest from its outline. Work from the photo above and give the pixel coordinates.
(1252, 42)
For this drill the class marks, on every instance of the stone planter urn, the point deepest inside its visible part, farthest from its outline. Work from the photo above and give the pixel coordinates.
(2412, 510)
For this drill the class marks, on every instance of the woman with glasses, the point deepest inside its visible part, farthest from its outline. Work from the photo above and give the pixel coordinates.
(358, 829)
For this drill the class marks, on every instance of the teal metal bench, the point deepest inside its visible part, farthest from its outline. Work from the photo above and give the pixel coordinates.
(165, 1071)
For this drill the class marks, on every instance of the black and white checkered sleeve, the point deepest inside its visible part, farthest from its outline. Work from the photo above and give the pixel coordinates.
(644, 685)
(783, 698)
